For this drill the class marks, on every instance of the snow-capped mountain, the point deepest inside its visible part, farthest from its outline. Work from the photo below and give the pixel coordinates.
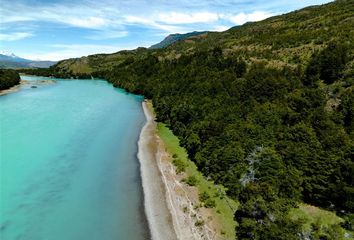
(10, 60)
(6, 56)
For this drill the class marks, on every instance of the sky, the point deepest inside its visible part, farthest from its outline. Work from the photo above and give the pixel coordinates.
(61, 29)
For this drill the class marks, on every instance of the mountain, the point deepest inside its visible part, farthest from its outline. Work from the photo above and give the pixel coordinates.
(172, 38)
(264, 109)
(10, 60)
(289, 39)
(41, 64)
(10, 57)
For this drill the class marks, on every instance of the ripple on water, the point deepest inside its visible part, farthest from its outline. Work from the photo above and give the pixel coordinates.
(69, 168)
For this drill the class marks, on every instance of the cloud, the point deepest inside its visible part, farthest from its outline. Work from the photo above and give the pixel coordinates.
(242, 18)
(187, 18)
(14, 36)
(103, 23)
(117, 23)
(220, 28)
(114, 21)
(65, 51)
(62, 51)
(73, 15)
(90, 22)
(151, 23)
(102, 35)
(178, 22)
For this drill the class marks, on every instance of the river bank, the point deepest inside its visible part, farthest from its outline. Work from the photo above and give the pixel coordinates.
(156, 208)
(173, 208)
(25, 83)
(13, 88)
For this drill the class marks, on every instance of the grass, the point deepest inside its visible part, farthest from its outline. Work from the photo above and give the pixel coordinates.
(224, 207)
(312, 215)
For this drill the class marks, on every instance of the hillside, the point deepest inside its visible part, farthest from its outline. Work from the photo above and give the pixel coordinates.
(172, 38)
(287, 40)
(265, 109)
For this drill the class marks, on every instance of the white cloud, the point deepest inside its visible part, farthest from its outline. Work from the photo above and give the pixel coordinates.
(138, 20)
(178, 22)
(173, 22)
(14, 36)
(242, 18)
(63, 51)
(220, 28)
(112, 20)
(76, 15)
(187, 18)
(89, 22)
(150, 22)
(101, 35)
(72, 51)
(104, 23)
(108, 21)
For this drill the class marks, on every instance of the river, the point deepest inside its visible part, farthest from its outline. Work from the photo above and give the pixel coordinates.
(68, 165)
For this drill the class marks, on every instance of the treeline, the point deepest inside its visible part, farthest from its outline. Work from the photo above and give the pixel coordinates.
(264, 133)
(52, 72)
(8, 78)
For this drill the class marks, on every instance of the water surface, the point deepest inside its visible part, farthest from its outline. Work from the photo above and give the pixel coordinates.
(68, 166)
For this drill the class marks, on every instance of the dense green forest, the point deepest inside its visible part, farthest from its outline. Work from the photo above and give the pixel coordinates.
(8, 78)
(265, 109)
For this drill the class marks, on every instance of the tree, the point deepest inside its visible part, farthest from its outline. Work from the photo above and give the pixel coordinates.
(8, 78)
(328, 64)
(332, 61)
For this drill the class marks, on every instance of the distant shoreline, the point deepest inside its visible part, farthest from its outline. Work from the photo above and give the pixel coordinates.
(25, 83)
(13, 88)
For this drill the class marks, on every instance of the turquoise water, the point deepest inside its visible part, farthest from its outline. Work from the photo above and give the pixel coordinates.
(68, 166)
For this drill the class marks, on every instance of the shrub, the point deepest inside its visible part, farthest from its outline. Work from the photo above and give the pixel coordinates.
(191, 181)
(180, 165)
(204, 196)
(199, 223)
(210, 203)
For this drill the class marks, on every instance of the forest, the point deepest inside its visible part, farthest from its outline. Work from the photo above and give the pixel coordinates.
(8, 78)
(265, 109)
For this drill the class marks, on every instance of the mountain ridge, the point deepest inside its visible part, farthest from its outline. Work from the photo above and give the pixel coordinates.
(4, 56)
(172, 38)
(10, 60)
(238, 40)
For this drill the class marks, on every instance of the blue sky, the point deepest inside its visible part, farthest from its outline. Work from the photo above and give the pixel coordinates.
(59, 29)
